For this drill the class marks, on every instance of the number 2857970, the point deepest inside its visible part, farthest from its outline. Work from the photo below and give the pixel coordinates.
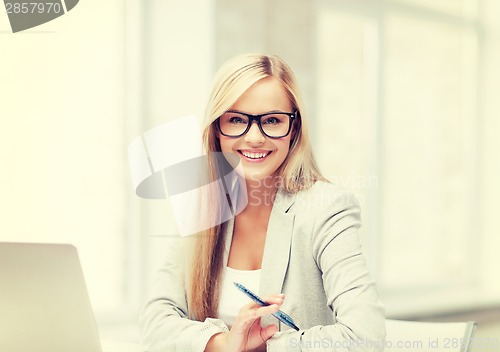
(33, 7)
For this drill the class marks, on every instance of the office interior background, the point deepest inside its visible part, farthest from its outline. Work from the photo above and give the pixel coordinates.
(404, 102)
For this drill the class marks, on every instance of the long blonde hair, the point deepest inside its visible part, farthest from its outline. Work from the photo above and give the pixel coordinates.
(299, 170)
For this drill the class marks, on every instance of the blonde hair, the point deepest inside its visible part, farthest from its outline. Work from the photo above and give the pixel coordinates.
(299, 170)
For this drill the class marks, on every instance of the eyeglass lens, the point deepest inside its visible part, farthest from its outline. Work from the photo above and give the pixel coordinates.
(274, 125)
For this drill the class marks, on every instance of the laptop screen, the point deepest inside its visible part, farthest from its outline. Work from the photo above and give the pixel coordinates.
(44, 304)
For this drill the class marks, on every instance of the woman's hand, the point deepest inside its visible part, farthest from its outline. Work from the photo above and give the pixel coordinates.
(246, 334)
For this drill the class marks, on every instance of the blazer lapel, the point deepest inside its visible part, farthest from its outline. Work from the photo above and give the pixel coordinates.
(277, 248)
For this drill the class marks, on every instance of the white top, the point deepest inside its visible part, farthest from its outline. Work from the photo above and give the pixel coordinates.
(232, 299)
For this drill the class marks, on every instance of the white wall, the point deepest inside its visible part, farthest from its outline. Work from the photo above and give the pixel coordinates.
(489, 161)
(62, 140)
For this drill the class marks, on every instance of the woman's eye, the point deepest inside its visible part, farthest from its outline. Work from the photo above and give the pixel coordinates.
(237, 120)
(271, 120)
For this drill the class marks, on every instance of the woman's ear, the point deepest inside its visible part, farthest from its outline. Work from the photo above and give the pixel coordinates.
(295, 130)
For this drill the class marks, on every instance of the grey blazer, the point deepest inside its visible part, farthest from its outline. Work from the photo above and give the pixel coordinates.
(312, 254)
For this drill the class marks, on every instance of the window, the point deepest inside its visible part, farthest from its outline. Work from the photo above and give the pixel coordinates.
(398, 103)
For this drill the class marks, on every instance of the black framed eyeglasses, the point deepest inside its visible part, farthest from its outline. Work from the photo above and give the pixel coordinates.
(271, 124)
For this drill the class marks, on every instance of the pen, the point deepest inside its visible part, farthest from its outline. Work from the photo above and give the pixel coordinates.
(280, 315)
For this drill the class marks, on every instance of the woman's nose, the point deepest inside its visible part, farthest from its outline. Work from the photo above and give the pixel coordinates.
(254, 135)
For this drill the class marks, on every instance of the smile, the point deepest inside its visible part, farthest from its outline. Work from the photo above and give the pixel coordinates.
(254, 155)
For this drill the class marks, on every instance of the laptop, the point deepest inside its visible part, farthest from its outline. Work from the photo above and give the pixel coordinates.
(44, 304)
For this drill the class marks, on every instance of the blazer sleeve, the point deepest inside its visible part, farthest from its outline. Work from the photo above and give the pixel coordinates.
(351, 295)
(164, 322)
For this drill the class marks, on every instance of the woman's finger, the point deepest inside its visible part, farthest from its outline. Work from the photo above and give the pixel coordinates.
(277, 298)
(271, 299)
(253, 311)
(267, 310)
(248, 316)
(274, 296)
(268, 332)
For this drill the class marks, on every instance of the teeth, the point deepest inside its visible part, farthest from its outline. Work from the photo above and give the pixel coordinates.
(254, 155)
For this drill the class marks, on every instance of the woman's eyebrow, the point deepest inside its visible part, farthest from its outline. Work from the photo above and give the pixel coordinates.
(264, 113)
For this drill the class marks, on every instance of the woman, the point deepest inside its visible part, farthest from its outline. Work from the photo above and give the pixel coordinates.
(295, 243)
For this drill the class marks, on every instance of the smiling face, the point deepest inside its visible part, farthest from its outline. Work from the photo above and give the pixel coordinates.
(260, 156)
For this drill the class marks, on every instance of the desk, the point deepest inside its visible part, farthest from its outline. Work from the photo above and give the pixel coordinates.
(113, 346)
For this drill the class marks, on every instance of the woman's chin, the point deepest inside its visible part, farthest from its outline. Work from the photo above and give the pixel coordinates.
(260, 179)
